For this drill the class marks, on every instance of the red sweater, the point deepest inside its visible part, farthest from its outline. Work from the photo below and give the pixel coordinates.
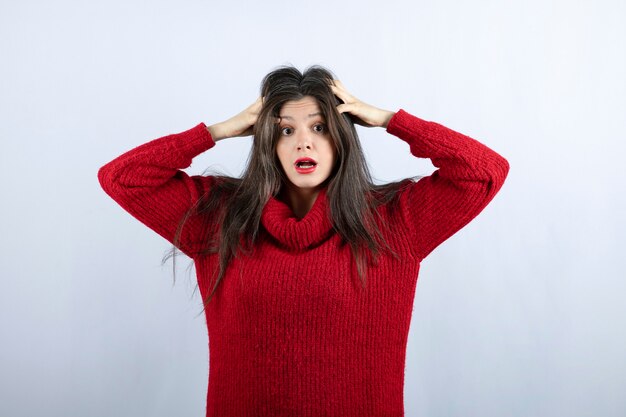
(291, 330)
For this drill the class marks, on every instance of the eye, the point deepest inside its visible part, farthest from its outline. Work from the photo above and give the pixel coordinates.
(320, 128)
(286, 131)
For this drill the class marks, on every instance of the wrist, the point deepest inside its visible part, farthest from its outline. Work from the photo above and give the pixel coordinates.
(217, 131)
(386, 117)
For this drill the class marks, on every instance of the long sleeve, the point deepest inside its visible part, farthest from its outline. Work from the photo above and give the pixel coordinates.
(148, 182)
(469, 175)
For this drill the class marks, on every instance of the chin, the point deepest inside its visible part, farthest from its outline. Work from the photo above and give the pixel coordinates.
(306, 185)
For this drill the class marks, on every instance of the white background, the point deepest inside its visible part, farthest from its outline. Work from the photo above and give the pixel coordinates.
(521, 313)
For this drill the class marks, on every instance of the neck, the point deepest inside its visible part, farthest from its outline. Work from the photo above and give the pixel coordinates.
(300, 200)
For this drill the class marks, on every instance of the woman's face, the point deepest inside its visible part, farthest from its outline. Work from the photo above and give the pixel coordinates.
(304, 134)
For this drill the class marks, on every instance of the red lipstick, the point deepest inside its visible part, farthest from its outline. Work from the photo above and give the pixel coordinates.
(305, 165)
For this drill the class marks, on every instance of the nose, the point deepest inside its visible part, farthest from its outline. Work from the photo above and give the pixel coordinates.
(303, 142)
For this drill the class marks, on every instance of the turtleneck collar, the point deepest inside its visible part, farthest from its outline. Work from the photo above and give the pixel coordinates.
(298, 234)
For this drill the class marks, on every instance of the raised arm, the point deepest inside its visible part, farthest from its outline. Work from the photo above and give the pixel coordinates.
(150, 184)
(469, 174)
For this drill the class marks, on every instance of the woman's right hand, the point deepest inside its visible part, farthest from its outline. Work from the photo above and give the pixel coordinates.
(239, 125)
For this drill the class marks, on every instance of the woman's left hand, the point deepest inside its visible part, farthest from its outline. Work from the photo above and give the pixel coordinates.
(363, 113)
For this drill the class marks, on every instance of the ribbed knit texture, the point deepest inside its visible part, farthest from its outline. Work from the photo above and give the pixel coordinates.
(291, 330)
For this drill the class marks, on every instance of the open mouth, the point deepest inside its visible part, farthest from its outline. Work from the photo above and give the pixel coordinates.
(305, 163)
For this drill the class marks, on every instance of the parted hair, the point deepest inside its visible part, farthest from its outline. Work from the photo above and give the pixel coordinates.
(237, 203)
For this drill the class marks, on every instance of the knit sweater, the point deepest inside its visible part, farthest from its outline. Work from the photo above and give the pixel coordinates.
(292, 331)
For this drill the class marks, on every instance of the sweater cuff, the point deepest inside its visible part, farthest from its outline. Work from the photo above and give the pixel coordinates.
(195, 140)
(399, 125)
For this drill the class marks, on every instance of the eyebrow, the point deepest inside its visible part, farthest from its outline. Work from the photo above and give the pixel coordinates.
(309, 116)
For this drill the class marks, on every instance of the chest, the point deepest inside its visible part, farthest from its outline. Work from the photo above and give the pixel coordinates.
(322, 281)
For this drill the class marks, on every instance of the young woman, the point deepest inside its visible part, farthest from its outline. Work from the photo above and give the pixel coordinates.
(307, 269)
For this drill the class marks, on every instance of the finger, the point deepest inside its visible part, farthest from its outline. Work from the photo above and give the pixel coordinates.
(343, 94)
(256, 106)
(343, 88)
(343, 108)
(339, 84)
(340, 93)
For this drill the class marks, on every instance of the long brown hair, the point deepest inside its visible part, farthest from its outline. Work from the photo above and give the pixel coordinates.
(237, 203)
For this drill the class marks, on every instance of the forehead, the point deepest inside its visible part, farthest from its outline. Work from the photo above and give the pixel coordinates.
(306, 106)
